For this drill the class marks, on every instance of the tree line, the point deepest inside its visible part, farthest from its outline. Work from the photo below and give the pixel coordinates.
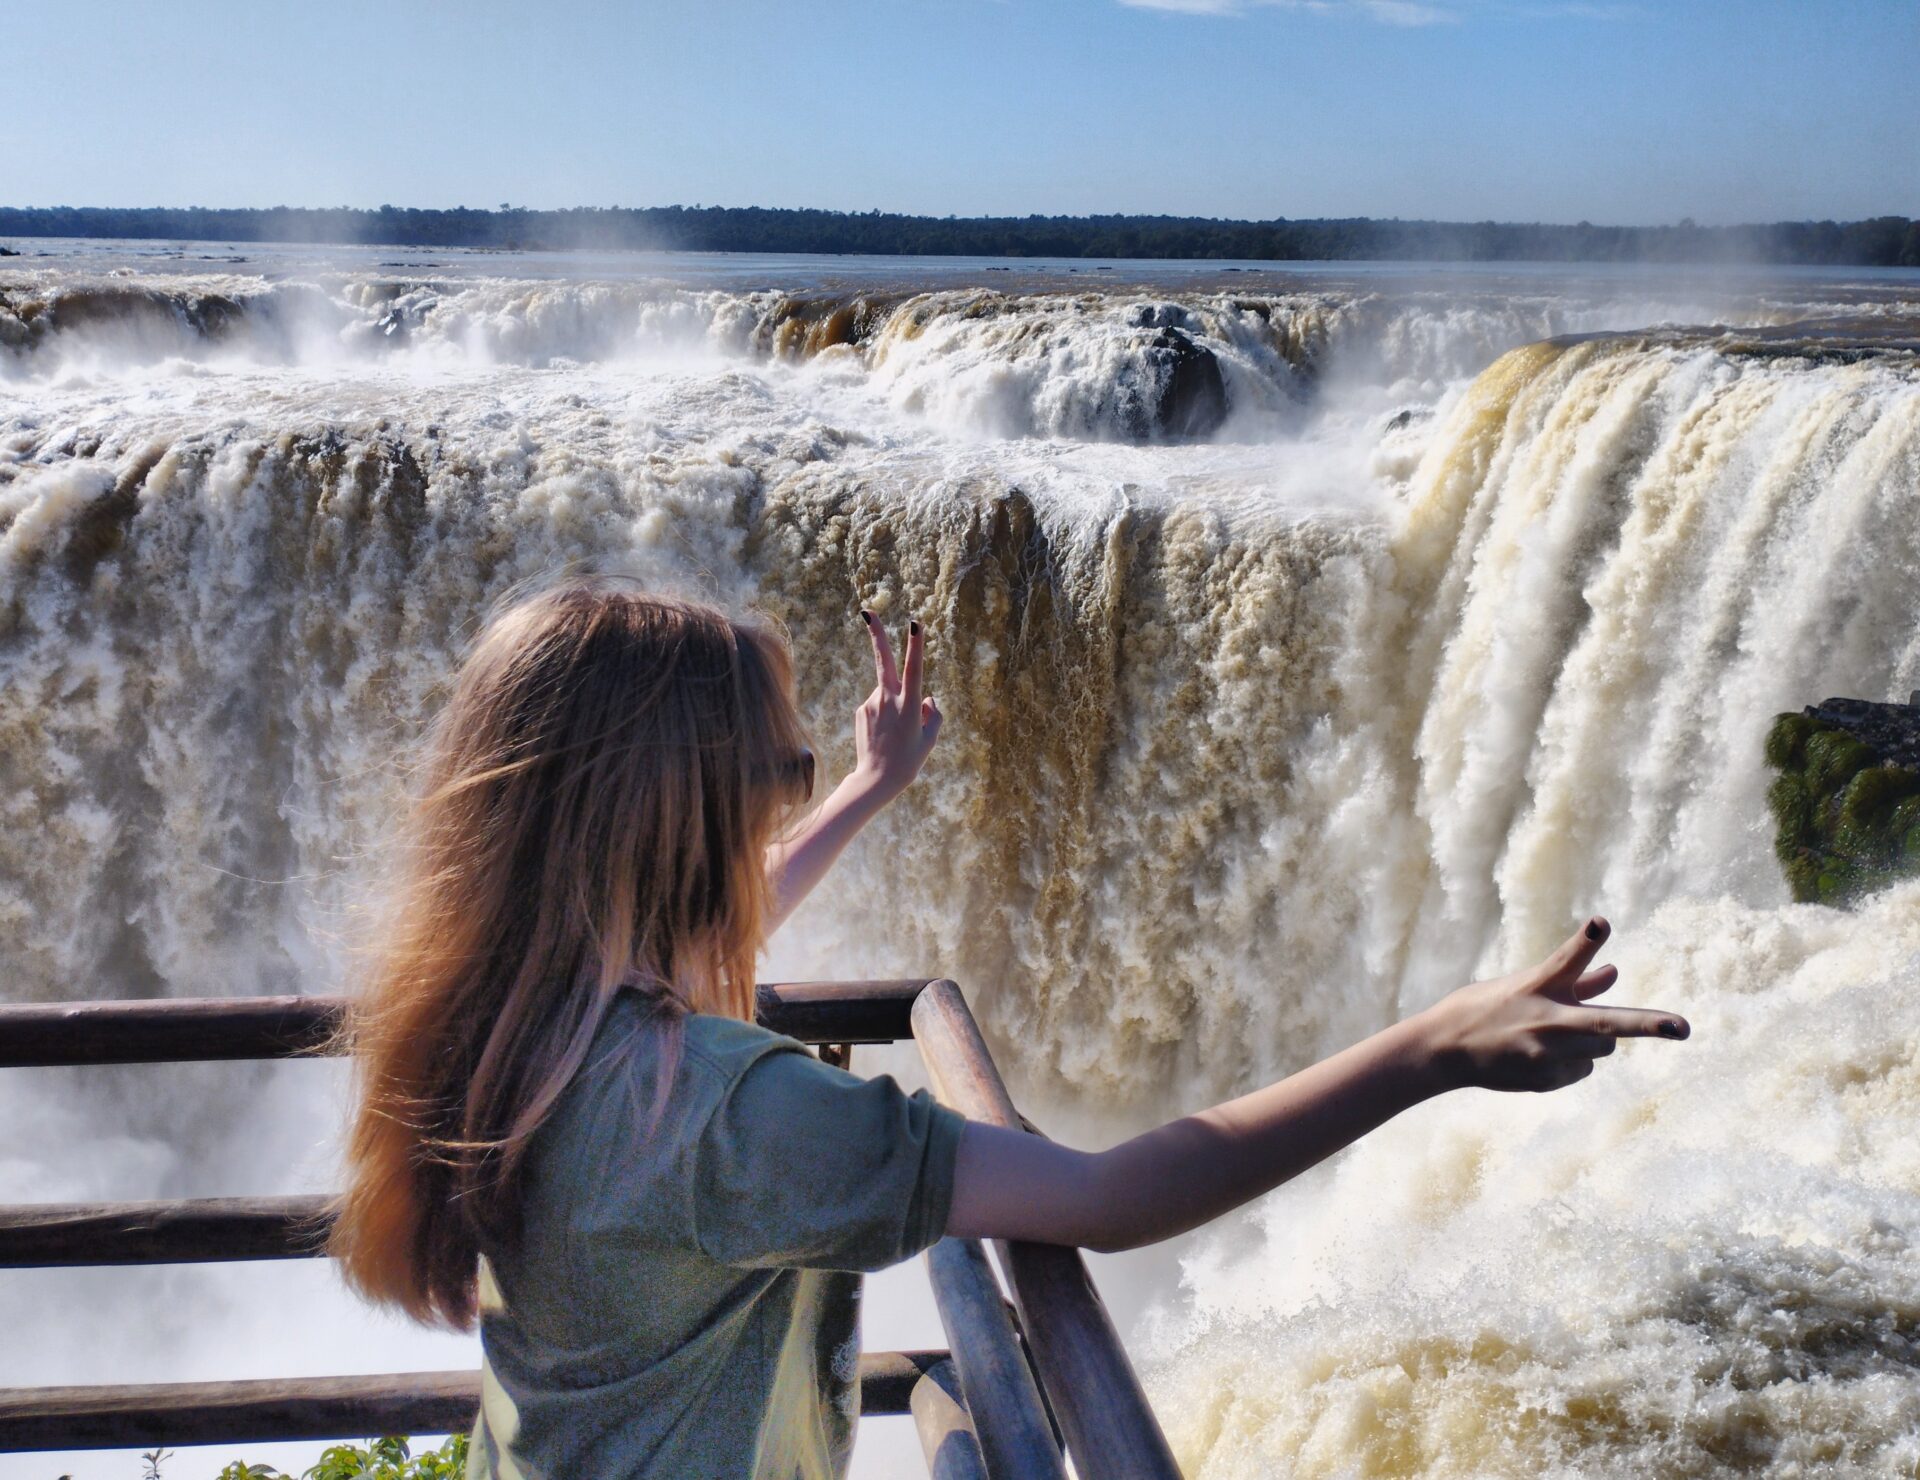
(1883, 241)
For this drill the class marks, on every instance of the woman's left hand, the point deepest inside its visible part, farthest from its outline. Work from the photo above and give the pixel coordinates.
(894, 731)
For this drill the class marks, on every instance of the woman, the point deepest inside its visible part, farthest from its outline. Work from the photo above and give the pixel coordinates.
(571, 1129)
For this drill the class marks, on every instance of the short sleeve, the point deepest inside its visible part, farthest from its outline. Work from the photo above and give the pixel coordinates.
(801, 1164)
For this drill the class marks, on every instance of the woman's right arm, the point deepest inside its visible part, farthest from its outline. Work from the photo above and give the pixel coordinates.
(1531, 1030)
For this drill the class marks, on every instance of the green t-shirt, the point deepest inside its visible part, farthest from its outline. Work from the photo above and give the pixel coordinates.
(685, 1303)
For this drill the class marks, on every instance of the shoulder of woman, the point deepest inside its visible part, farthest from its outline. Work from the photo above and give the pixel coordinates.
(729, 1047)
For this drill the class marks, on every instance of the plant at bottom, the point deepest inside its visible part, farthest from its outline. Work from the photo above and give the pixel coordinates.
(391, 1458)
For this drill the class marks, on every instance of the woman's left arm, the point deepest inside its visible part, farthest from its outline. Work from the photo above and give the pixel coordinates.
(893, 733)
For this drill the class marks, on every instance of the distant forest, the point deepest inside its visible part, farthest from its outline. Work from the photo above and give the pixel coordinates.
(1884, 241)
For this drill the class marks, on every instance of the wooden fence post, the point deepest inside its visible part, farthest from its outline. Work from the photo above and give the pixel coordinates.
(1110, 1429)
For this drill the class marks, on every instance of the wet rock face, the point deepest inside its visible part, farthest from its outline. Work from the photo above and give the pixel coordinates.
(1847, 801)
(1161, 316)
(1890, 731)
(179, 319)
(1178, 394)
(1184, 395)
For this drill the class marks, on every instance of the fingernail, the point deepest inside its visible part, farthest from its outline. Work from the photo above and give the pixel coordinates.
(1596, 929)
(866, 616)
(913, 627)
(1672, 1030)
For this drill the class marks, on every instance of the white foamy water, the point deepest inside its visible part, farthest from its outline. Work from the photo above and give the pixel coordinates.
(1309, 643)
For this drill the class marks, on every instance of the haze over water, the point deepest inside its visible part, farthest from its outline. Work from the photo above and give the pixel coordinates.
(1312, 639)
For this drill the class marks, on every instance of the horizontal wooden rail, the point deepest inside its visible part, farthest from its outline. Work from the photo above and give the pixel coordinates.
(216, 1229)
(190, 1231)
(1109, 1427)
(840, 1012)
(158, 1414)
(185, 1029)
(178, 1413)
(226, 1028)
(1074, 1350)
(165, 1030)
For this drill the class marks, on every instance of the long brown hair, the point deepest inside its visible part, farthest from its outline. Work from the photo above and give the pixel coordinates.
(598, 794)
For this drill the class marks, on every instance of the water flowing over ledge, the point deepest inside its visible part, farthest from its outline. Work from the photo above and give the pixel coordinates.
(1234, 772)
(1110, 364)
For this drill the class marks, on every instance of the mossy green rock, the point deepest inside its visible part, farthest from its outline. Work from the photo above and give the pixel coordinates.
(1846, 804)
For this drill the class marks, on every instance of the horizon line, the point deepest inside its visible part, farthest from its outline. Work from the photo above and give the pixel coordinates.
(1682, 223)
(1685, 223)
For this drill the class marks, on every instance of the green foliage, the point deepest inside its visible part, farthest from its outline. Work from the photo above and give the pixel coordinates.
(1833, 756)
(1803, 876)
(1792, 806)
(1845, 823)
(1786, 741)
(1884, 241)
(1871, 794)
(1866, 806)
(1904, 816)
(390, 1458)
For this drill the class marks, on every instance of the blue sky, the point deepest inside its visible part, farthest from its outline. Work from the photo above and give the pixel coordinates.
(1466, 109)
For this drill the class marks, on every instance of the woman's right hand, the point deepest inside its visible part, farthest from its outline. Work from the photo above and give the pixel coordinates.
(1533, 1029)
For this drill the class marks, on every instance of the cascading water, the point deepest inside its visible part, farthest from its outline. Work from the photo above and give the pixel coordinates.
(1619, 562)
(1294, 674)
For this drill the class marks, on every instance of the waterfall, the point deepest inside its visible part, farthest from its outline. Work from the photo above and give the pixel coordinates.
(1282, 697)
(1618, 563)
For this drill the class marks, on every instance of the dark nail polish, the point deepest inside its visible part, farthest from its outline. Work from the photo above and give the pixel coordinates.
(913, 628)
(1596, 930)
(866, 616)
(1671, 1030)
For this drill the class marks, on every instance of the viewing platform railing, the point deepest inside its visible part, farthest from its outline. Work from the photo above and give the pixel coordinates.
(1014, 1387)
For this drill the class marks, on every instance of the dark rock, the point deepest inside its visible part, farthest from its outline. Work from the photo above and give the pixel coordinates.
(1191, 399)
(1160, 316)
(1890, 731)
(405, 313)
(1170, 390)
(1181, 396)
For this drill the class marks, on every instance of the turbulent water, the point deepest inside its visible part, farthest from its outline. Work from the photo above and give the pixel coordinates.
(1310, 643)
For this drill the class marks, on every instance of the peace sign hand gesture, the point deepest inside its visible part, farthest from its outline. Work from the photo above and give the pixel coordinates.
(1532, 1029)
(894, 731)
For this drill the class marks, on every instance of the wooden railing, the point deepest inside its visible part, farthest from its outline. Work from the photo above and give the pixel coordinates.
(998, 1405)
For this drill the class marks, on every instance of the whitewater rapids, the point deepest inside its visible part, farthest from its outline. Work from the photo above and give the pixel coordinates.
(1309, 646)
